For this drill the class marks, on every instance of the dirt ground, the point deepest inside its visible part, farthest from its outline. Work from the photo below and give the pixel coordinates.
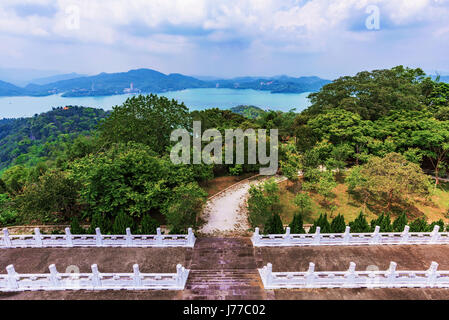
(283, 259)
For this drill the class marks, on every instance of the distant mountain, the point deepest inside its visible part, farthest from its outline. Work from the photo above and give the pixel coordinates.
(151, 81)
(251, 112)
(8, 89)
(22, 77)
(60, 77)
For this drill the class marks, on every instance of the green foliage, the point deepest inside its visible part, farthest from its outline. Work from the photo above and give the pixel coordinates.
(121, 222)
(274, 225)
(263, 202)
(75, 226)
(419, 225)
(148, 225)
(384, 222)
(236, 170)
(7, 215)
(400, 222)
(148, 120)
(303, 202)
(360, 225)
(323, 223)
(100, 221)
(439, 223)
(338, 224)
(296, 226)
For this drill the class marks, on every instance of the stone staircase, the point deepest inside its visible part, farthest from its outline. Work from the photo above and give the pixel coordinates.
(224, 268)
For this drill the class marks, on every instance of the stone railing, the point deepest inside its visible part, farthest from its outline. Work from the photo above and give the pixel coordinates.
(350, 239)
(13, 281)
(392, 278)
(38, 240)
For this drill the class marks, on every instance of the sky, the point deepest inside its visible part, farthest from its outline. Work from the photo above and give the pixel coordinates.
(225, 38)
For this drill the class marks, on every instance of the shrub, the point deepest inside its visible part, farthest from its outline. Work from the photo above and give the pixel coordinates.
(75, 227)
(99, 221)
(323, 223)
(148, 225)
(274, 225)
(338, 224)
(440, 223)
(121, 222)
(419, 225)
(296, 226)
(384, 222)
(400, 223)
(360, 225)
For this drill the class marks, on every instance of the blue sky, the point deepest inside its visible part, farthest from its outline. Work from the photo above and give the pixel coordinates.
(224, 38)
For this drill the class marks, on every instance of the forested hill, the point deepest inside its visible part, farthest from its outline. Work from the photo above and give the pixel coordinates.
(30, 140)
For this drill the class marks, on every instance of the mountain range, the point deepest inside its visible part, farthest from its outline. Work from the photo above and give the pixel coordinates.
(147, 80)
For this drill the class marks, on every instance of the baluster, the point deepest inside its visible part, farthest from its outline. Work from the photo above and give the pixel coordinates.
(435, 234)
(38, 237)
(96, 277)
(432, 274)
(287, 236)
(310, 275)
(256, 236)
(391, 275)
(375, 238)
(6, 238)
(405, 234)
(269, 274)
(136, 277)
(190, 238)
(98, 237)
(317, 236)
(68, 237)
(54, 276)
(13, 283)
(179, 275)
(129, 238)
(350, 276)
(158, 237)
(347, 235)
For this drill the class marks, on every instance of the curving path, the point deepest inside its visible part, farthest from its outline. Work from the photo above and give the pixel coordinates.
(225, 213)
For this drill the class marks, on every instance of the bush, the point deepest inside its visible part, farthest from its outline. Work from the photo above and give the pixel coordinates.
(400, 223)
(323, 223)
(296, 226)
(148, 225)
(384, 222)
(360, 225)
(99, 221)
(440, 223)
(274, 225)
(338, 224)
(419, 225)
(75, 227)
(121, 222)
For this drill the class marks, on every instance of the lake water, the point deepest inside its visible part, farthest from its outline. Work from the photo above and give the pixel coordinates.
(194, 99)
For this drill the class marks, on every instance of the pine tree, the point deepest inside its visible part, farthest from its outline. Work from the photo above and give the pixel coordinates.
(321, 222)
(384, 222)
(440, 223)
(400, 223)
(360, 225)
(419, 225)
(338, 224)
(98, 221)
(148, 225)
(274, 225)
(296, 226)
(121, 222)
(75, 227)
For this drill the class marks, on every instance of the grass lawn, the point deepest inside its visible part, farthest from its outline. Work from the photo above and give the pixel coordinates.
(434, 210)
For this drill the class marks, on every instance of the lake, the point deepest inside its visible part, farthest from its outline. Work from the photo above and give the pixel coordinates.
(194, 99)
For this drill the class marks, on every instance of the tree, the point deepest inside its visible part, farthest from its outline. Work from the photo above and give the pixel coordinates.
(439, 223)
(338, 224)
(390, 180)
(321, 222)
(75, 227)
(303, 202)
(419, 225)
(145, 119)
(121, 222)
(384, 222)
(360, 225)
(326, 185)
(400, 222)
(290, 162)
(263, 202)
(274, 225)
(296, 226)
(100, 221)
(148, 225)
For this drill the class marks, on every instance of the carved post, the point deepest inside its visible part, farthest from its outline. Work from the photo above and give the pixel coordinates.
(317, 236)
(13, 282)
(269, 274)
(310, 275)
(347, 235)
(287, 236)
(391, 274)
(405, 235)
(37, 237)
(129, 238)
(54, 276)
(179, 275)
(256, 236)
(159, 237)
(96, 278)
(350, 276)
(432, 274)
(136, 277)
(435, 235)
(98, 237)
(190, 237)
(68, 237)
(375, 237)
(6, 238)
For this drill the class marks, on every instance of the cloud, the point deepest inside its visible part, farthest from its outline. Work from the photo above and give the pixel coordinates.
(249, 32)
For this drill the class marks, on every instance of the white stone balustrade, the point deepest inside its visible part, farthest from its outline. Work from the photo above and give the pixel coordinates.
(39, 240)
(391, 278)
(350, 239)
(13, 281)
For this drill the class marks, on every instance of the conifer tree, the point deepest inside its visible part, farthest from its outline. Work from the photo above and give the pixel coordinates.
(323, 223)
(296, 226)
(121, 222)
(419, 225)
(274, 225)
(360, 225)
(338, 224)
(148, 225)
(400, 223)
